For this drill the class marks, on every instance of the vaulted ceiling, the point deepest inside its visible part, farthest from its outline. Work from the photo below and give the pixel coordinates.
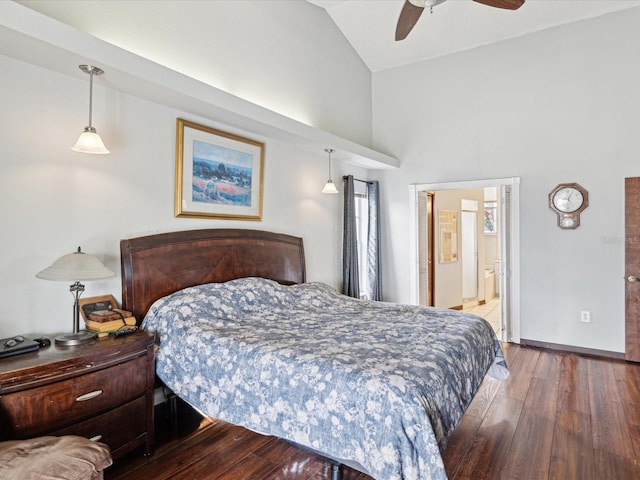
(454, 26)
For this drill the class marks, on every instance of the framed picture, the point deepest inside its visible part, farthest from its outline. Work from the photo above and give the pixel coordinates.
(92, 304)
(218, 174)
(448, 220)
(490, 224)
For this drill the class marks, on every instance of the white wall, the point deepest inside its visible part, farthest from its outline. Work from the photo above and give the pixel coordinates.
(287, 56)
(53, 199)
(558, 106)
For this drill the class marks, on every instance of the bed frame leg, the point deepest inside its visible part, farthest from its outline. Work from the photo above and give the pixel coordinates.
(172, 400)
(336, 471)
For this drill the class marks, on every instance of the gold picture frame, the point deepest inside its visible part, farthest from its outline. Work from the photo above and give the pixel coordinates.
(218, 174)
(448, 220)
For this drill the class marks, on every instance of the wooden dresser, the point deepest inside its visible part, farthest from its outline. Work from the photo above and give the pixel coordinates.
(102, 390)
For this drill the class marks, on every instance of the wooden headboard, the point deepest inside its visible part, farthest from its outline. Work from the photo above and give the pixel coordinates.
(157, 265)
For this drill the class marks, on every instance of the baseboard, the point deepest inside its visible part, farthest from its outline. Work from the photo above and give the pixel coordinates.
(461, 307)
(570, 348)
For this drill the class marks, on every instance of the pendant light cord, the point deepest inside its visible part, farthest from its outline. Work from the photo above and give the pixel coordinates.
(90, 97)
(329, 151)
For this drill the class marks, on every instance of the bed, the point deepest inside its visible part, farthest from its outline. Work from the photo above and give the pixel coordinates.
(376, 386)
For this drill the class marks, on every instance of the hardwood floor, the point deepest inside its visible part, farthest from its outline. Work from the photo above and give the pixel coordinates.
(559, 416)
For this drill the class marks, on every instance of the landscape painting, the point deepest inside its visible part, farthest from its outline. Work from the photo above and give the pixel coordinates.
(218, 174)
(221, 175)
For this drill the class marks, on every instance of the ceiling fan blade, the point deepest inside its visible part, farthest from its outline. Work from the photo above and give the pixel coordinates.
(408, 18)
(506, 4)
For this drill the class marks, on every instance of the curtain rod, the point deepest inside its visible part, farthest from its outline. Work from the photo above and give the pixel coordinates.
(357, 179)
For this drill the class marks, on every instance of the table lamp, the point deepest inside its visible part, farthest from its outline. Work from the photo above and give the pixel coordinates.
(74, 267)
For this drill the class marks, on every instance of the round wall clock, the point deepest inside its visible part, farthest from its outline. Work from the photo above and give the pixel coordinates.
(568, 200)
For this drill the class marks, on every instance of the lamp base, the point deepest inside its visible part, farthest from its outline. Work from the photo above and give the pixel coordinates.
(70, 339)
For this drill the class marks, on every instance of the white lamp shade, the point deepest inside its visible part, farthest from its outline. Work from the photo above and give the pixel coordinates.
(90, 142)
(76, 266)
(329, 187)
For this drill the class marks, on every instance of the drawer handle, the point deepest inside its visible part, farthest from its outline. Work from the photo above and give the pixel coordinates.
(89, 396)
(96, 438)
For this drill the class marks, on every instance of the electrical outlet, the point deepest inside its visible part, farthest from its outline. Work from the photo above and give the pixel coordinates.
(585, 316)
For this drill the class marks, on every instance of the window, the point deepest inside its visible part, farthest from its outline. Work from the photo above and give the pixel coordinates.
(361, 243)
(362, 236)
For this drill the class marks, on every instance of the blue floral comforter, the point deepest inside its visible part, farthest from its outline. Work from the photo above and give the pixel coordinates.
(375, 384)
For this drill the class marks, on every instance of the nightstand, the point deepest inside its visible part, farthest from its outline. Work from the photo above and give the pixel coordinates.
(102, 390)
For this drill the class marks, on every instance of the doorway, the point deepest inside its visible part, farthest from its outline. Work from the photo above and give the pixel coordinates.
(506, 269)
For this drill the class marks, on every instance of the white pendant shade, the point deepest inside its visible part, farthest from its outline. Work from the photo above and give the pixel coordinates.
(329, 187)
(90, 142)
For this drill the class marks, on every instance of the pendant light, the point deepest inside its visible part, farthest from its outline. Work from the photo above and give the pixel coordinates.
(89, 140)
(329, 187)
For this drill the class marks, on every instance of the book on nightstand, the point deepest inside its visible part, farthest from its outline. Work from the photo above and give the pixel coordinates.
(115, 333)
(108, 315)
(110, 326)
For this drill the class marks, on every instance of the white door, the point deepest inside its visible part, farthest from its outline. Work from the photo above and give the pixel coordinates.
(505, 221)
(469, 254)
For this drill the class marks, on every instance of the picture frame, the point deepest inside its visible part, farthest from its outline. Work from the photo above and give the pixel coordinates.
(92, 304)
(490, 218)
(448, 224)
(218, 174)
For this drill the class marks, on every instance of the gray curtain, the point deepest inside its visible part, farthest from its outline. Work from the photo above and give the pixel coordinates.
(373, 242)
(349, 242)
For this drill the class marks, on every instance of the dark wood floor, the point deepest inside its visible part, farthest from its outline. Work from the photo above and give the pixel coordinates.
(559, 416)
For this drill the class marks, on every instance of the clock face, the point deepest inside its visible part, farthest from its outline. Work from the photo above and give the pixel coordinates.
(568, 199)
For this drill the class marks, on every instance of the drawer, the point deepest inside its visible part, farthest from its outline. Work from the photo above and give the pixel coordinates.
(122, 428)
(29, 412)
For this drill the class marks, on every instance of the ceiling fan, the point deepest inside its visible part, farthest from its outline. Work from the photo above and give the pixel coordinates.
(412, 9)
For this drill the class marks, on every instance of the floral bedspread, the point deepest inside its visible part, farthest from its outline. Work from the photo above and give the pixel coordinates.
(375, 384)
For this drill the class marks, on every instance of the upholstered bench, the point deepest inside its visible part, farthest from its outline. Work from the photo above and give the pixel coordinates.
(53, 458)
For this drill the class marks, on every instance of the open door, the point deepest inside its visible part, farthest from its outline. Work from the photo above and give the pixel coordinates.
(632, 269)
(469, 254)
(426, 227)
(505, 262)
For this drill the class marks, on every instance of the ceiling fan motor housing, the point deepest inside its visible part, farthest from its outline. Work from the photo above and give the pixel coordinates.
(425, 3)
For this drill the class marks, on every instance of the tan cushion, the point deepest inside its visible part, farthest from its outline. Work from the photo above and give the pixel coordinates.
(53, 458)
